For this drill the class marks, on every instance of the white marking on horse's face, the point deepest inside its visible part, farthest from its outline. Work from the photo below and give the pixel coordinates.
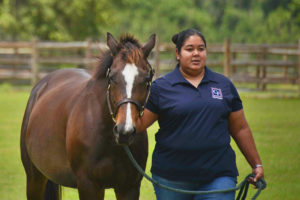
(129, 72)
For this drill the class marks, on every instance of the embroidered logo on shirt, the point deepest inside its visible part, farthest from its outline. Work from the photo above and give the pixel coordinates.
(216, 93)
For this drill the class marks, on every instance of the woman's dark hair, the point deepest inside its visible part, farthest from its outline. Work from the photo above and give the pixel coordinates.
(179, 38)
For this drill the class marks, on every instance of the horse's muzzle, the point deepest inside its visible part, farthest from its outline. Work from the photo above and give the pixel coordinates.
(124, 134)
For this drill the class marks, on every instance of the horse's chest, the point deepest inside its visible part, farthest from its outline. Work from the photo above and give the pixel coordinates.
(112, 170)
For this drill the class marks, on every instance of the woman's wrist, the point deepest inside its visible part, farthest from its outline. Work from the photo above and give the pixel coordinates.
(257, 165)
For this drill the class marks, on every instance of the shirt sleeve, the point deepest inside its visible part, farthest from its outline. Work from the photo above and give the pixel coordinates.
(153, 101)
(236, 103)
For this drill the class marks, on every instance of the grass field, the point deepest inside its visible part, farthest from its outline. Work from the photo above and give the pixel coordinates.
(275, 123)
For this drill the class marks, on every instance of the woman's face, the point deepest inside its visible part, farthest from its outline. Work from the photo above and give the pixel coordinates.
(192, 56)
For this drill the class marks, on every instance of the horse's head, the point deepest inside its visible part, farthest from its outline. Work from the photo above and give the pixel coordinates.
(130, 77)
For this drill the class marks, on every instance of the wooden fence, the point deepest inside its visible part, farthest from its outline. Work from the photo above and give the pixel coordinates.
(256, 63)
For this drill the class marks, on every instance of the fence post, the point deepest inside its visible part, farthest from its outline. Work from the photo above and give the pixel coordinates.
(285, 68)
(34, 61)
(226, 64)
(157, 58)
(233, 66)
(16, 55)
(88, 54)
(264, 71)
(258, 79)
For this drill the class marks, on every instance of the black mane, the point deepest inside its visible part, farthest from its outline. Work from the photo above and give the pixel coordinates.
(129, 42)
(127, 45)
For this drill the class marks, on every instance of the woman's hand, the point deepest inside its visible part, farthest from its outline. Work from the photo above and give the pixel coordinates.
(259, 173)
(146, 120)
(241, 133)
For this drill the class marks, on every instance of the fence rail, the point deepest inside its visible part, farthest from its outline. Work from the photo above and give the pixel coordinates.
(30, 60)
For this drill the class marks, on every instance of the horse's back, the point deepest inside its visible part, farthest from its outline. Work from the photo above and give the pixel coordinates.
(45, 120)
(62, 78)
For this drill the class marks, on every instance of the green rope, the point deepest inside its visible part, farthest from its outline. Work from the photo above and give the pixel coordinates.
(243, 186)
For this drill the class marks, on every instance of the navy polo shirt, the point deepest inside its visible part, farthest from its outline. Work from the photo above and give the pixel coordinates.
(193, 140)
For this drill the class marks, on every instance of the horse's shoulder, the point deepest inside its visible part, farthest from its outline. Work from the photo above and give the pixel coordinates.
(61, 83)
(71, 73)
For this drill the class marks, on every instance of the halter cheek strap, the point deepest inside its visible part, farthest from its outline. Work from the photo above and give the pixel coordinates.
(108, 103)
(123, 101)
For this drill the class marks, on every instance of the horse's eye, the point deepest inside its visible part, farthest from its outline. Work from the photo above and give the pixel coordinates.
(112, 79)
(148, 78)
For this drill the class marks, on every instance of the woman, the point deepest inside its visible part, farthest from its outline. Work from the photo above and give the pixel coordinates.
(197, 111)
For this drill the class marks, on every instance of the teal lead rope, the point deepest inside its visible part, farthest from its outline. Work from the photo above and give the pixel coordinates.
(243, 186)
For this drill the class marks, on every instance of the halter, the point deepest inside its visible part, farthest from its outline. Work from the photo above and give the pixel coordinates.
(129, 100)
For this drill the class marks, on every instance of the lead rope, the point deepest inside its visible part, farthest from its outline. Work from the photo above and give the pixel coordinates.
(243, 186)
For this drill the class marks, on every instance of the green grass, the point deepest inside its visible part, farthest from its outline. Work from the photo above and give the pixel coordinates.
(275, 123)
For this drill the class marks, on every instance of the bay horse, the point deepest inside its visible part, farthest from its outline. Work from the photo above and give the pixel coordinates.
(76, 122)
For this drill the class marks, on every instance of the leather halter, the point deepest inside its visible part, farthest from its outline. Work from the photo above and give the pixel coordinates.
(140, 107)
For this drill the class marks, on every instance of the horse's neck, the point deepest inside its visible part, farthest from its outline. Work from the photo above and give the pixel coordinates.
(98, 89)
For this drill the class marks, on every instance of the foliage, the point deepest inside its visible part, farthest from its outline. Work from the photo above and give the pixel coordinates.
(55, 19)
(245, 21)
(8, 22)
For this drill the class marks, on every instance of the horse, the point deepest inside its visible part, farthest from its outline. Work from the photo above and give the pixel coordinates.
(77, 121)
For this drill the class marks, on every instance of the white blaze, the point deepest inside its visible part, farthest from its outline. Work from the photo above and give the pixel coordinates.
(129, 72)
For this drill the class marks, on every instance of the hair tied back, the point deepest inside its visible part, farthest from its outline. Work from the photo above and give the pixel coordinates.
(175, 38)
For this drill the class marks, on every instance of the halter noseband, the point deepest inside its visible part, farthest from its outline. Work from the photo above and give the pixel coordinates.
(129, 100)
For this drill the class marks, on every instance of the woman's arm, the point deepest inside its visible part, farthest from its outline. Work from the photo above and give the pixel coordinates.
(241, 133)
(146, 120)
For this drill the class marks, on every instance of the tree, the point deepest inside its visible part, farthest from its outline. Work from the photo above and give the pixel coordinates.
(8, 21)
(55, 19)
(244, 21)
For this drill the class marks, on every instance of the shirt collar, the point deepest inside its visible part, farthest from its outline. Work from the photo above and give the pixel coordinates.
(176, 77)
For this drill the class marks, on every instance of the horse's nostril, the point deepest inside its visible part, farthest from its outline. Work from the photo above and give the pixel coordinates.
(123, 129)
(128, 130)
(115, 129)
(124, 133)
(134, 130)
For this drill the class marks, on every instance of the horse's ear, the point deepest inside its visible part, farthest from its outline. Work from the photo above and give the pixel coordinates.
(149, 45)
(112, 44)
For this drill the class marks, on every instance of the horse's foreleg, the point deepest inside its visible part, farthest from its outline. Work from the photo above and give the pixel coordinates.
(36, 181)
(128, 194)
(89, 190)
(36, 184)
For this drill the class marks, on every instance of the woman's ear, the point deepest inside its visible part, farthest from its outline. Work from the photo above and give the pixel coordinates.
(177, 54)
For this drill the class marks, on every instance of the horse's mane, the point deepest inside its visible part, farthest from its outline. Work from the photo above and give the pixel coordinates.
(129, 42)
(129, 47)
